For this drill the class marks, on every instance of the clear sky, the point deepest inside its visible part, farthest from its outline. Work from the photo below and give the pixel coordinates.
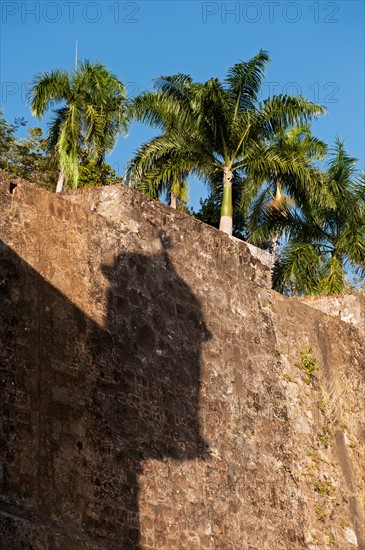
(317, 49)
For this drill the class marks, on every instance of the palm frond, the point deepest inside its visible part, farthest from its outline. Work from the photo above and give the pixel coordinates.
(283, 111)
(94, 112)
(48, 87)
(245, 79)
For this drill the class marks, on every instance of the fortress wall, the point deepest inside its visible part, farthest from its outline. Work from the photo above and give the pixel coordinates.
(154, 392)
(348, 308)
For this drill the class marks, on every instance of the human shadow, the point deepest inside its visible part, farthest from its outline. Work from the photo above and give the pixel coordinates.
(98, 401)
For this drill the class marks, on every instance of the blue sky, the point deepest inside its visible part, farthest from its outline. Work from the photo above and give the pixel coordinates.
(317, 49)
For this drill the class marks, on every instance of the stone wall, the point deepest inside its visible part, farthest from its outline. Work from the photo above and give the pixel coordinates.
(348, 308)
(154, 392)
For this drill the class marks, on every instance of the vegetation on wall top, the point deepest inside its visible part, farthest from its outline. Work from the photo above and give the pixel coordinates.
(258, 157)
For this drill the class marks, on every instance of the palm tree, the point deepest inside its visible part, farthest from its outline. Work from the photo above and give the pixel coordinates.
(323, 240)
(153, 170)
(220, 130)
(210, 208)
(92, 115)
(283, 189)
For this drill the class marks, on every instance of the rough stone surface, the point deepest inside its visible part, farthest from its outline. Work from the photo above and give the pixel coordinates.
(265, 257)
(153, 389)
(349, 308)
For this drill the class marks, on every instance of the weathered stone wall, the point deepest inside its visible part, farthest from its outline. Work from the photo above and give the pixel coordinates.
(153, 391)
(349, 308)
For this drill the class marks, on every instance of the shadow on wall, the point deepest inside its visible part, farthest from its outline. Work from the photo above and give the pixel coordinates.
(83, 405)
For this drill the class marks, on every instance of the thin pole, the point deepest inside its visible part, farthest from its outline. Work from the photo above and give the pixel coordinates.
(76, 60)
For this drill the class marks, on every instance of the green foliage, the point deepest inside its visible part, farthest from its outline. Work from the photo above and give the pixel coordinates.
(323, 487)
(30, 159)
(92, 114)
(321, 512)
(343, 522)
(284, 188)
(326, 436)
(7, 140)
(218, 130)
(257, 158)
(26, 157)
(308, 364)
(93, 174)
(314, 455)
(324, 236)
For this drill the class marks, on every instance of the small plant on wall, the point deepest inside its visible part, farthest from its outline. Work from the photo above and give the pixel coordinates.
(308, 364)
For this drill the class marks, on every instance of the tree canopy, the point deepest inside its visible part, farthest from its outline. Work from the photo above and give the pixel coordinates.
(219, 131)
(92, 114)
(324, 242)
(258, 156)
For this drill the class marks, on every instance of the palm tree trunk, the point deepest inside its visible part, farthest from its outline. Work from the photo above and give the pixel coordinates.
(226, 222)
(60, 182)
(278, 194)
(275, 237)
(278, 204)
(173, 200)
(274, 244)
